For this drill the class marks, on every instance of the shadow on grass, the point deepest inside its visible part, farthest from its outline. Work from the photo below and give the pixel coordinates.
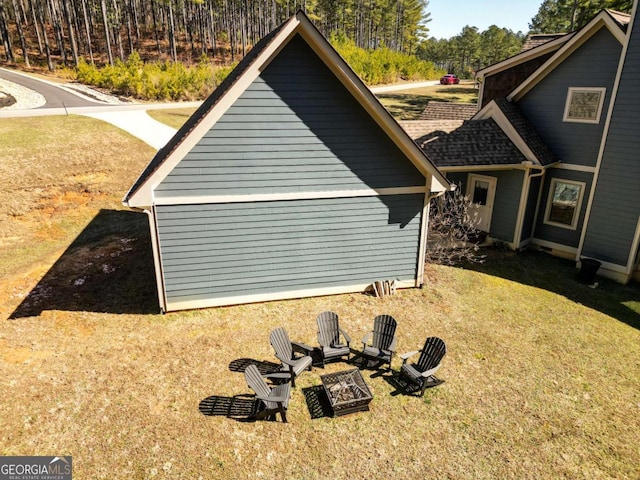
(541, 270)
(265, 368)
(107, 269)
(317, 402)
(404, 387)
(242, 408)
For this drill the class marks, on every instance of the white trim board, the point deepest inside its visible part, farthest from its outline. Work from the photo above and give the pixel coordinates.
(267, 297)
(274, 197)
(574, 168)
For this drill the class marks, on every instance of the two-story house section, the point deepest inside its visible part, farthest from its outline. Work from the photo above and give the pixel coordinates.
(551, 158)
(566, 101)
(611, 233)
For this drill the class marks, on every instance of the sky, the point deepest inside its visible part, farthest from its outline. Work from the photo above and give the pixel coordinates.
(448, 17)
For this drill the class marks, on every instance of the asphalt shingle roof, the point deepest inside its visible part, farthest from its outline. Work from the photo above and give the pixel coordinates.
(476, 142)
(527, 132)
(536, 39)
(448, 111)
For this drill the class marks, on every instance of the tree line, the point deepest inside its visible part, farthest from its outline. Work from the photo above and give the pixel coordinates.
(564, 16)
(103, 31)
(472, 50)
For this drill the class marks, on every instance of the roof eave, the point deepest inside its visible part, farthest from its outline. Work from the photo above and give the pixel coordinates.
(523, 57)
(602, 20)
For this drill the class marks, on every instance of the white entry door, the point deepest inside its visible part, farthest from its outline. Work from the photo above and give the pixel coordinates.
(482, 192)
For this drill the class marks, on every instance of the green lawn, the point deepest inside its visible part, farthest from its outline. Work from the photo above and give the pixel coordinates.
(542, 374)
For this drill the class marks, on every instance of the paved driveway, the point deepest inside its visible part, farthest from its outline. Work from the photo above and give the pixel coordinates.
(129, 117)
(59, 101)
(55, 96)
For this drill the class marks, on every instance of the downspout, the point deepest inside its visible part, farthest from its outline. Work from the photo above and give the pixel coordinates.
(523, 201)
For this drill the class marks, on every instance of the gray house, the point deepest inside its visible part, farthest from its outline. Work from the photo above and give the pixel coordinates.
(550, 160)
(291, 180)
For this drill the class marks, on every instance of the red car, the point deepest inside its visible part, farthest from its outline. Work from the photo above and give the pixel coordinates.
(449, 79)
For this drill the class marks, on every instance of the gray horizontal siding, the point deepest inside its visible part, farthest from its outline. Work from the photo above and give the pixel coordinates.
(296, 128)
(552, 233)
(616, 204)
(594, 64)
(227, 250)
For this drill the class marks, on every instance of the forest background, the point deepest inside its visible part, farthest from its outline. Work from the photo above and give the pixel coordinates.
(182, 49)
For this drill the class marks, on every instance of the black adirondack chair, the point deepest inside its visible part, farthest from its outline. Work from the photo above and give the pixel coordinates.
(381, 342)
(292, 364)
(422, 373)
(329, 333)
(273, 400)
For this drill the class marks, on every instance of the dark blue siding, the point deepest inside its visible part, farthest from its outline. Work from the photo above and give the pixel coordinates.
(296, 128)
(227, 250)
(616, 205)
(507, 203)
(594, 64)
(507, 200)
(530, 211)
(552, 233)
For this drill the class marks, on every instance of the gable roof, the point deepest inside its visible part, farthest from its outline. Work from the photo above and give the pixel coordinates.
(538, 45)
(212, 109)
(499, 134)
(615, 22)
(476, 142)
(420, 128)
(524, 56)
(538, 39)
(521, 132)
(448, 111)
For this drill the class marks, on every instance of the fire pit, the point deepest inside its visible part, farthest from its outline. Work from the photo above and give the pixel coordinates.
(347, 391)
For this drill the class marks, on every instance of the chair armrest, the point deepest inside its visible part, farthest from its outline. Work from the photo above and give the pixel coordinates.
(345, 335)
(394, 345)
(430, 372)
(366, 338)
(406, 356)
(287, 361)
(303, 346)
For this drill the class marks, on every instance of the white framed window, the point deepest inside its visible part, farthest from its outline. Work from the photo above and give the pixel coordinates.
(584, 104)
(564, 203)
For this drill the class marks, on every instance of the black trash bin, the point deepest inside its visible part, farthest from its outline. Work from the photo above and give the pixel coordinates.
(588, 270)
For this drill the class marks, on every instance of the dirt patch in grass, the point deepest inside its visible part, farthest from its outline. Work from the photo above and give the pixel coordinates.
(56, 175)
(542, 374)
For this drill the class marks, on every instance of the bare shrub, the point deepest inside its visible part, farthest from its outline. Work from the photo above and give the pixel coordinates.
(453, 235)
